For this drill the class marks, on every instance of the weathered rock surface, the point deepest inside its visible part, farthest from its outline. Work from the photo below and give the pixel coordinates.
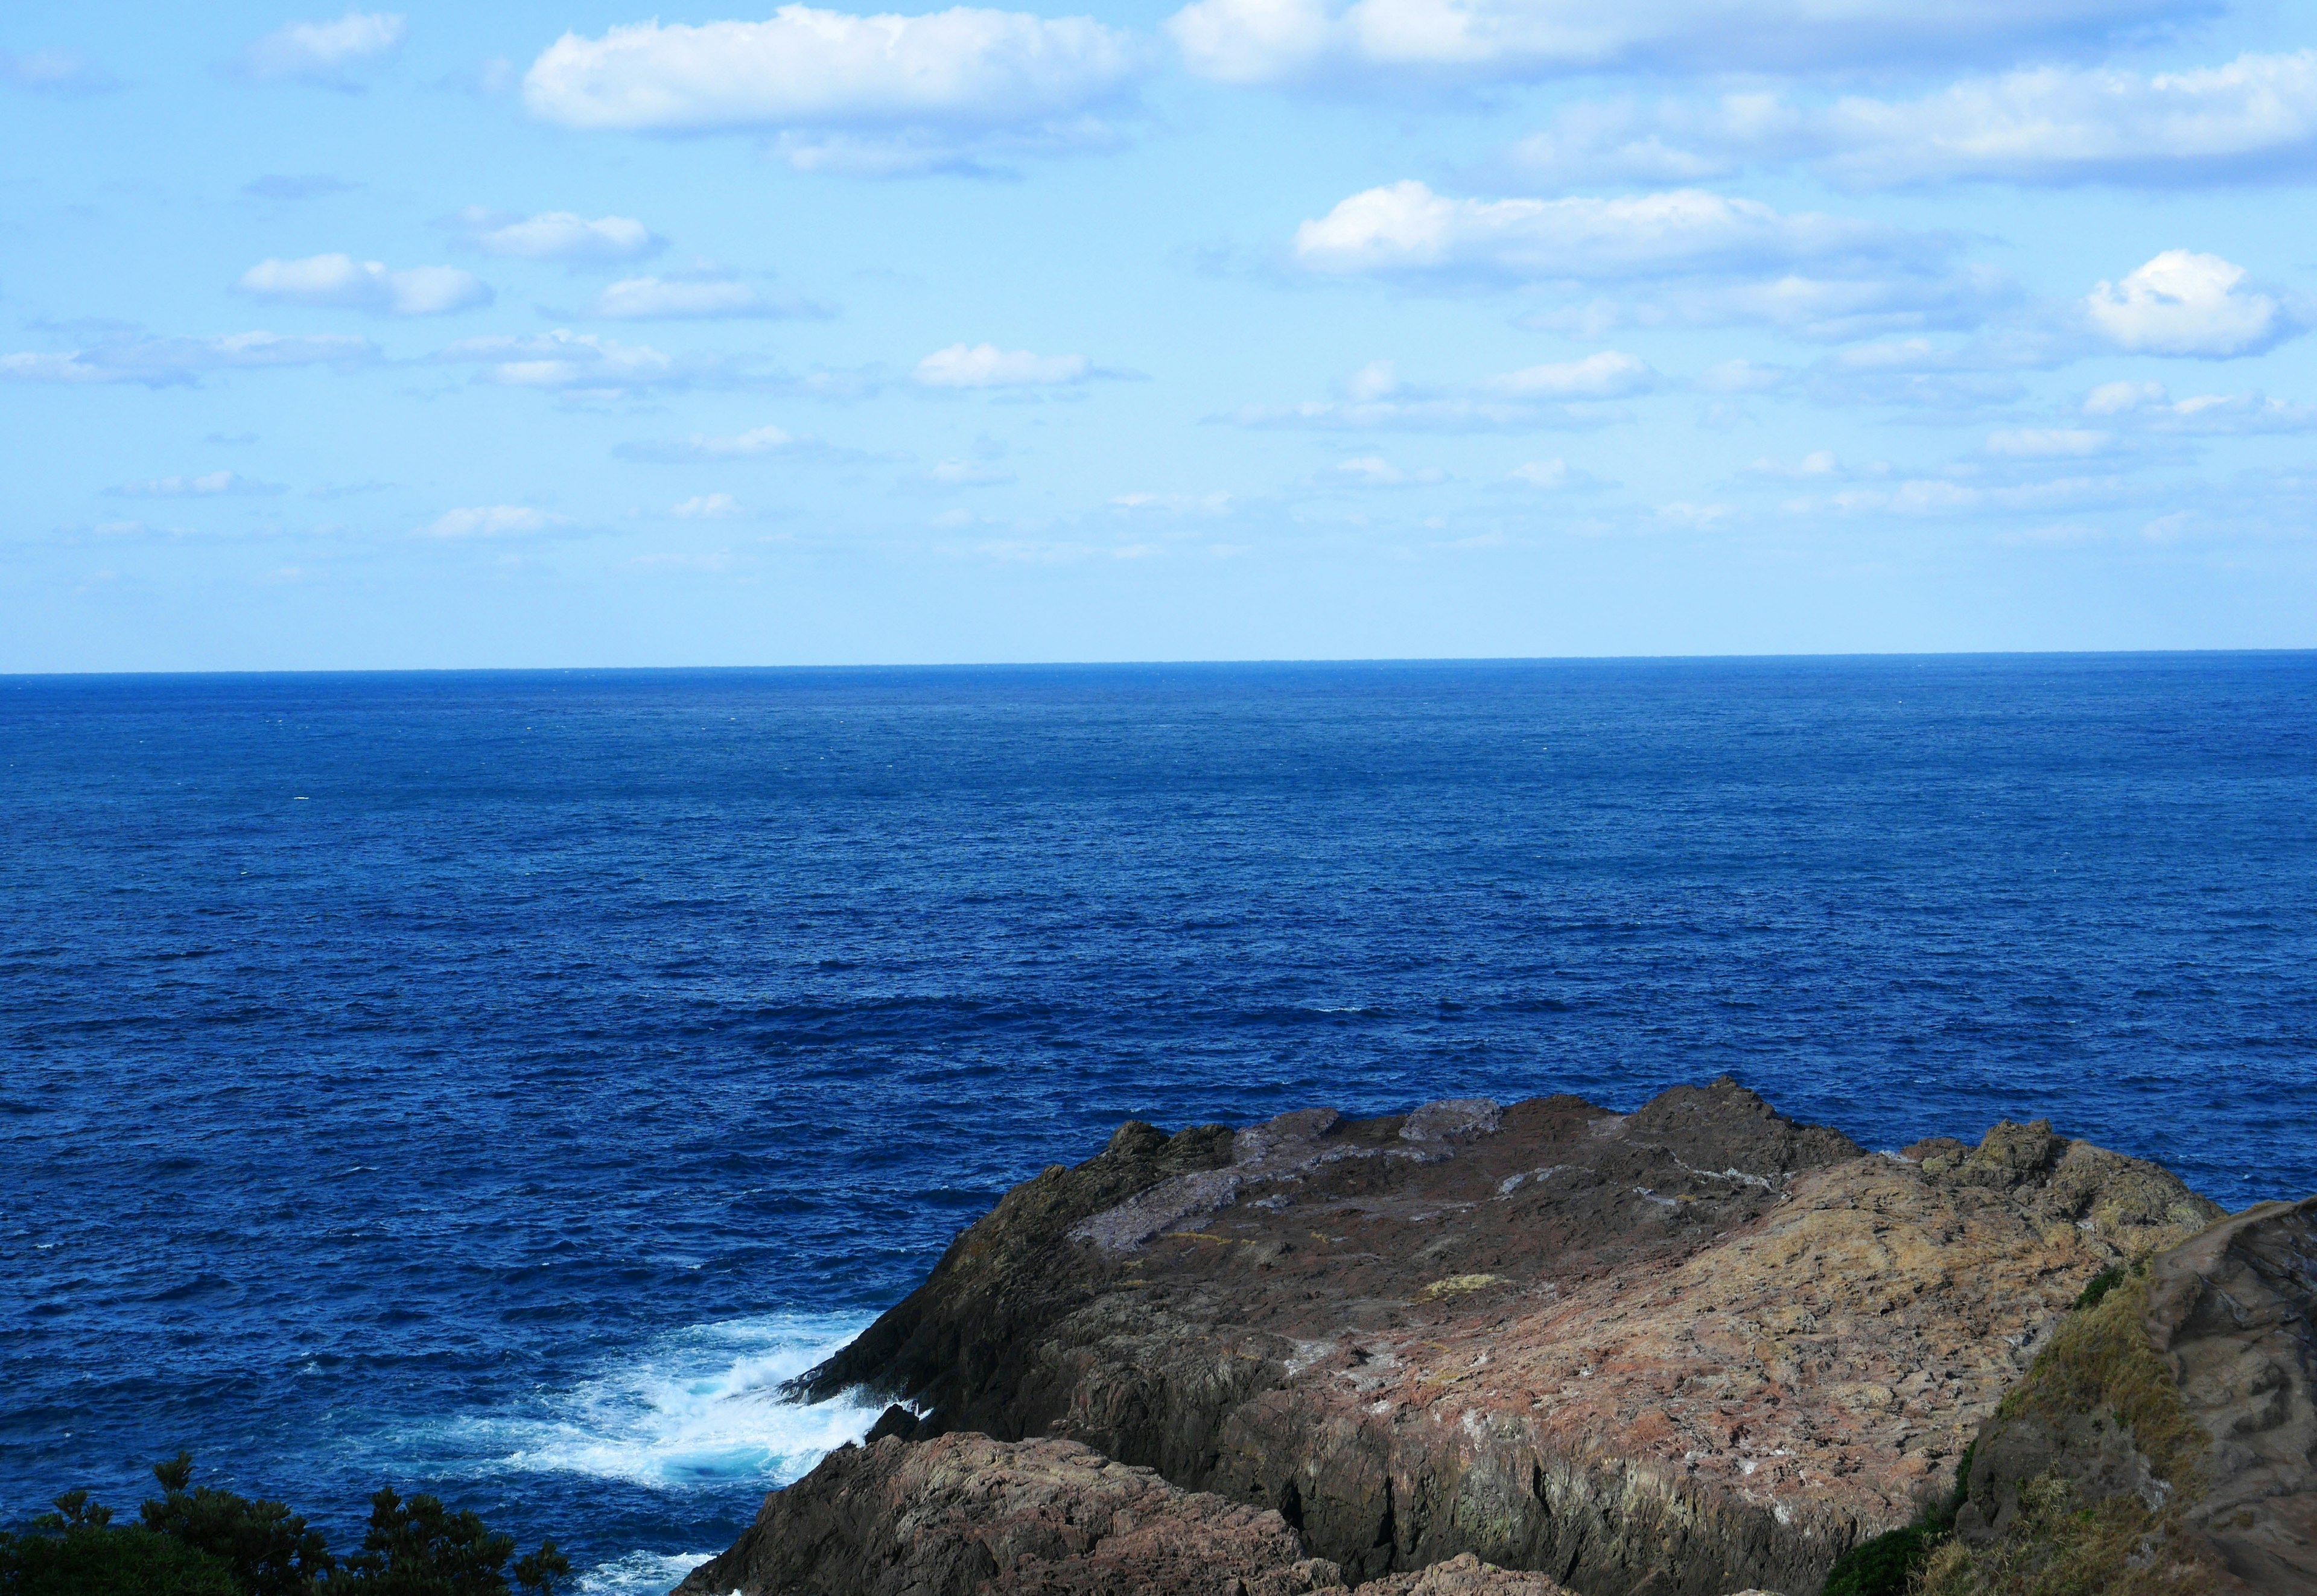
(964, 1514)
(2169, 1436)
(1685, 1350)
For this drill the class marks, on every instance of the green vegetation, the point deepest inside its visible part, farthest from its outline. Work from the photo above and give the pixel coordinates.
(196, 1541)
(2098, 1286)
(1883, 1565)
(2098, 1368)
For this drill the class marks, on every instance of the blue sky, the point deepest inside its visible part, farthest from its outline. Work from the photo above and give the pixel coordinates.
(572, 335)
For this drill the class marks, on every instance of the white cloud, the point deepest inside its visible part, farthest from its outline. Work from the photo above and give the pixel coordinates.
(208, 485)
(640, 299)
(2149, 405)
(560, 235)
(2048, 443)
(52, 71)
(1373, 471)
(492, 520)
(1407, 231)
(1449, 41)
(1572, 394)
(705, 506)
(340, 282)
(755, 443)
(1742, 376)
(1542, 474)
(846, 92)
(160, 362)
(2188, 304)
(1610, 374)
(2253, 117)
(985, 365)
(581, 362)
(324, 53)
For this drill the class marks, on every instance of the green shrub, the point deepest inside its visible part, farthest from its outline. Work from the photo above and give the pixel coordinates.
(205, 1542)
(75, 1551)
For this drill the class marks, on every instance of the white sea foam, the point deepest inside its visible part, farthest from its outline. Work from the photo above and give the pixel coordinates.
(698, 1407)
(639, 1573)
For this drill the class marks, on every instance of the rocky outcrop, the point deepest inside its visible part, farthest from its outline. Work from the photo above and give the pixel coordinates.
(2167, 1439)
(965, 1514)
(1685, 1350)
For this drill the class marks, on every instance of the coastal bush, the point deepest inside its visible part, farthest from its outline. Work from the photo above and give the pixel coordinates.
(270, 1550)
(2100, 1366)
(1885, 1565)
(75, 1551)
(205, 1542)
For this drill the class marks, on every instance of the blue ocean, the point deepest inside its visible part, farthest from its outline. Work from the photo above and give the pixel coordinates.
(496, 1084)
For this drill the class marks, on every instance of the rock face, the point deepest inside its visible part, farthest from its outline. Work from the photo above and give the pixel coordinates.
(1685, 1350)
(2168, 1436)
(965, 1514)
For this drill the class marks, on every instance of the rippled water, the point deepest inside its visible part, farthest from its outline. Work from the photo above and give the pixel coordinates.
(495, 1084)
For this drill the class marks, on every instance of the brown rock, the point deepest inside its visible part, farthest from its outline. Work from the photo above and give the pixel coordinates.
(1685, 1350)
(964, 1514)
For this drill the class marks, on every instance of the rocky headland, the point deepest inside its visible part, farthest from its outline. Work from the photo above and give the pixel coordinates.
(1691, 1350)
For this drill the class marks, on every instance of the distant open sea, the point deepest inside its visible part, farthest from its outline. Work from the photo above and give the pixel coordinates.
(493, 1084)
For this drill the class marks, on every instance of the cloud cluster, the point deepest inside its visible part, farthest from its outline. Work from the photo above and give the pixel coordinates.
(860, 92)
(1405, 230)
(2254, 117)
(326, 54)
(1444, 42)
(162, 363)
(2149, 405)
(340, 282)
(986, 365)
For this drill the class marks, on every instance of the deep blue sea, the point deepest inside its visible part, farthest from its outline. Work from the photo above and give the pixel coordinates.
(494, 1084)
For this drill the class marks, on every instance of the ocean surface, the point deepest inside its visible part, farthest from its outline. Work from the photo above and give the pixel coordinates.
(495, 1084)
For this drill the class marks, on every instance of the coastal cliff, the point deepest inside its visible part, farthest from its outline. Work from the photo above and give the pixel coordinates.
(1686, 1351)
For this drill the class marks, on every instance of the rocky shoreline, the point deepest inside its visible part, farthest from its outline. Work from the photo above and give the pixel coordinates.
(1695, 1349)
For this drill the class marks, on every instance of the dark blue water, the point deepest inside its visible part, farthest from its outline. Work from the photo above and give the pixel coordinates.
(494, 1083)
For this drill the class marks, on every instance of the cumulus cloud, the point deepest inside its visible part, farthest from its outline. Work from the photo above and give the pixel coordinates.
(2253, 117)
(492, 520)
(845, 92)
(325, 53)
(559, 236)
(690, 298)
(2183, 303)
(986, 365)
(161, 362)
(1405, 230)
(1382, 41)
(705, 506)
(208, 485)
(340, 282)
